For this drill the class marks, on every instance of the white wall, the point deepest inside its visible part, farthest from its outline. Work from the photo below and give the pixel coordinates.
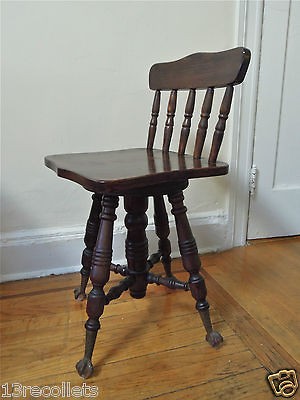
(74, 79)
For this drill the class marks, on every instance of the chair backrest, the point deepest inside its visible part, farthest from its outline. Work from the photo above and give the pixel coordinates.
(197, 71)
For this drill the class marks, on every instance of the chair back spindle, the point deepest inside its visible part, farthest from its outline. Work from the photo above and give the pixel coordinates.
(221, 124)
(186, 126)
(170, 120)
(199, 71)
(203, 124)
(153, 121)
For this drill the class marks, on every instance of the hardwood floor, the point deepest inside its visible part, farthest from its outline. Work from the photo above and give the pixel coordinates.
(154, 347)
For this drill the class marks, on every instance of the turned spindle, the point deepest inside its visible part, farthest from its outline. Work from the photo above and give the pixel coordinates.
(203, 124)
(170, 120)
(186, 125)
(153, 121)
(221, 124)
(91, 232)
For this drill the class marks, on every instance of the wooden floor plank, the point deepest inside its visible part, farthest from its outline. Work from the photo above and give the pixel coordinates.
(154, 348)
(152, 375)
(264, 280)
(171, 333)
(248, 385)
(55, 283)
(269, 352)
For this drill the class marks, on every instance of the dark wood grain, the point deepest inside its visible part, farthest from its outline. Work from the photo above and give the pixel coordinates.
(128, 169)
(170, 120)
(153, 121)
(186, 125)
(159, 336)
(162, 230)
(203, 124)
(90, 237)
(119, 171)
(100, 271)
(136, 245)
(191, 262)
(139, 173)
(221, 124)
(201, 70)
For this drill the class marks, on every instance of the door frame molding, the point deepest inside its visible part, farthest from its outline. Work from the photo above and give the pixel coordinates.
(248, 33)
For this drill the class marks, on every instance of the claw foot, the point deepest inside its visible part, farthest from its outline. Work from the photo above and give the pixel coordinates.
(214, 338)
(85, 368)
(79, 296)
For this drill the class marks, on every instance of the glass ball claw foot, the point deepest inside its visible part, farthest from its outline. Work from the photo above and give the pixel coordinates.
(79, 296)
(214, 338)
(85, 368)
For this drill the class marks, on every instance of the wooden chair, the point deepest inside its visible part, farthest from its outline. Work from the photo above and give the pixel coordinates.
(137, 174)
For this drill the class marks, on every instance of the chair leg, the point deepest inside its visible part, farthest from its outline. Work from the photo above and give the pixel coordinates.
(191, 262)
(162, 231)
(91, 232)
(100, 271)
(136, 242)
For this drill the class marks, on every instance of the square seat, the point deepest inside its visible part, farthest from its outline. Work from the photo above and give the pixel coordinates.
(114, 171)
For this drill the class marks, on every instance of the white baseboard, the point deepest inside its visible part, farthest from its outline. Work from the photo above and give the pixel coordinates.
(35, 253)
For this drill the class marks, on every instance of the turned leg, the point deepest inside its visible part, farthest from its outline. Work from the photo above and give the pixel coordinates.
(191, 262)
(136, 242)
(91, 232)
(100, 271)
(162, 231)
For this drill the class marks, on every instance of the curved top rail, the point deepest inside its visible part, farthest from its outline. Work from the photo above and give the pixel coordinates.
(201, 70)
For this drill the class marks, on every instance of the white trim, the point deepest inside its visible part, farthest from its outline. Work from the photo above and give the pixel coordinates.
(34, 253)
(249, 33)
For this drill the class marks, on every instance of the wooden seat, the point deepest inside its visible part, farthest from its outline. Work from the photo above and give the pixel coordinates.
(137, 174)
(123, 170)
